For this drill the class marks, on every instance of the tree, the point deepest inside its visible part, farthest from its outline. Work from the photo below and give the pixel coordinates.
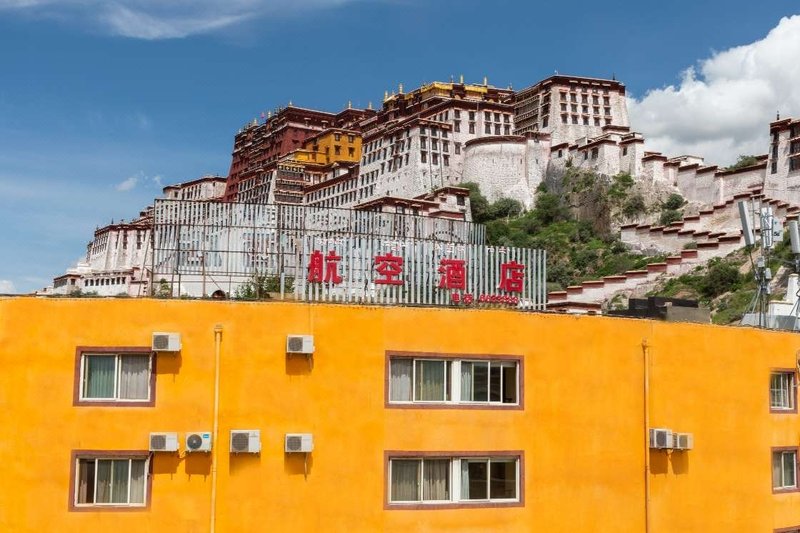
(743, 161)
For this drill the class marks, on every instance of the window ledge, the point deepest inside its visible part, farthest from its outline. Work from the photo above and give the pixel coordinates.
(453, 405)
(418, 506)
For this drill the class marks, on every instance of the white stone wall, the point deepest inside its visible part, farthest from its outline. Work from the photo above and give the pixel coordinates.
(575, 117)
(728, 185)
(705, 188)
(444, 144)
(501, 170)
(631, 158)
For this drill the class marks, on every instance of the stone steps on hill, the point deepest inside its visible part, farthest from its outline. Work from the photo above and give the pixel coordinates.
(589, 296)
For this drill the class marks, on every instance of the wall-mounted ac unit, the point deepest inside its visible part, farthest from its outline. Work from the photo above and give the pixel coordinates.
(682, 441)
(166, 342)
(163, 442)
(245, 441)
(198, 441)
(300, 344)
(660, 439)
(299, 443)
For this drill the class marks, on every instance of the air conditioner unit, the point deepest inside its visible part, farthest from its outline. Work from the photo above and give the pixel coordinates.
(682, 441)
(245, 441)
(163, 442)
(299, 443)
(166, 342)
(660, 439)
(300, 344)
(198, 441)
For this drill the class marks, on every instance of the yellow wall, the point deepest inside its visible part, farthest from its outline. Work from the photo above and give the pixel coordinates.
(581, 427)
(326, 144)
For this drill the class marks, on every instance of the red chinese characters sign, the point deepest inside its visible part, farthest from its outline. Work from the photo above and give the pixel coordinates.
(324, 269)
(388, 269)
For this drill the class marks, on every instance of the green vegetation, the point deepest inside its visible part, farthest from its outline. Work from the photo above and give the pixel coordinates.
(259, 287)
(671, 209)
(743, 161)
(572, 221)
(726, 285)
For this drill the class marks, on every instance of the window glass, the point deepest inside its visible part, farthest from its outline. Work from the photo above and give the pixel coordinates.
(111, 481)
(474, 479)
(99, 376)
(503, 480)
(405, 480)
(430, 380)
(436, 479)
(134, 380)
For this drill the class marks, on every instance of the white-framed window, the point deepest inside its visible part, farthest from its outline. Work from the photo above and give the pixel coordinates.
(784, 469)
(442, 480)
(111, 481)
(459, 381)
(782, 391)
(115, 377)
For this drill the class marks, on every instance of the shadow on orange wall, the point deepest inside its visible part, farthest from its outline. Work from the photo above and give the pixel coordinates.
(659, 462)
(166, 463)
(240, 462)
(680, 462)
(198, 464)
(168, 364)
(295, 464)
(299, 365)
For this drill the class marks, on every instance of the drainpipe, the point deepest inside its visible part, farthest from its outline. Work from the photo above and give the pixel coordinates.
(646, 392)
(215, 434)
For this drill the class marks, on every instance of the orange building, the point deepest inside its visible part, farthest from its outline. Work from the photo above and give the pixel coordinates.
(417, 419)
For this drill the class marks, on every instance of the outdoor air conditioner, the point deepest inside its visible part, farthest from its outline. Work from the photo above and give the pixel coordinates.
(299, 443)
(682, 441)
(163, 442)
(300, 344)
(245, 441)
(660, 439)
(198, 441)
(166, 342)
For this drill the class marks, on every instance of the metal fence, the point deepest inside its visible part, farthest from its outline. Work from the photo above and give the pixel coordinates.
(200, 248)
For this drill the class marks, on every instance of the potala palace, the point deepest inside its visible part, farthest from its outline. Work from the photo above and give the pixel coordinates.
(406, 160)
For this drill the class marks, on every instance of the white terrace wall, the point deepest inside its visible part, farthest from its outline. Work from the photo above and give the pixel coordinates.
(705, 189)
(500, 168)
(734, 182)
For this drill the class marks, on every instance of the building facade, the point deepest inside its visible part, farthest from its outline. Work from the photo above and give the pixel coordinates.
(570, 107)
(259, 146)
(417, 419)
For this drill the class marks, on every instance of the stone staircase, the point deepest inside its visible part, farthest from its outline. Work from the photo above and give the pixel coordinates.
(589, 296)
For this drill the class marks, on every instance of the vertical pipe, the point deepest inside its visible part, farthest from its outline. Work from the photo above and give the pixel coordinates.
(646, 402)
(215, 435)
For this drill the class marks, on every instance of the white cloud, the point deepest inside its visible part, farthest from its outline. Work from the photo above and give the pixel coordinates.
(7, 287)
(722, 107)
(159, 19)
(127, 184)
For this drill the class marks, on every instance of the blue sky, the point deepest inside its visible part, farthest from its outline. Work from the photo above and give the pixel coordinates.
(101, 102)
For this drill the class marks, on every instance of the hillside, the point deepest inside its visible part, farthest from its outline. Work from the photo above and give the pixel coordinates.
(573, 219)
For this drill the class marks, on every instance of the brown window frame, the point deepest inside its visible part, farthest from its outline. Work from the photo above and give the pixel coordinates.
(388, 455)
(796, 451)
(80, 351)
(393, 354)
(774, 410)
(75, 455)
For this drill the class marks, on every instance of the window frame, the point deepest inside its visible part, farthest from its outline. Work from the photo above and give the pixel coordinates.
(81, 351)
(781, 450)
(77, 455)
(792, 394)
(454, 381)
(455, 501)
